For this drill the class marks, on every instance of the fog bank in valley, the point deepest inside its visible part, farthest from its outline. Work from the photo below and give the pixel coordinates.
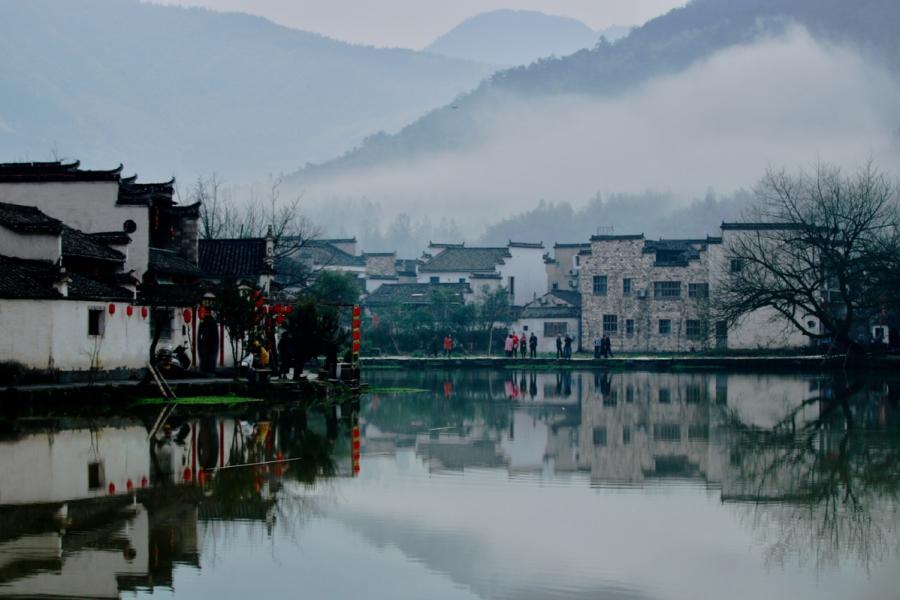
(785, 101)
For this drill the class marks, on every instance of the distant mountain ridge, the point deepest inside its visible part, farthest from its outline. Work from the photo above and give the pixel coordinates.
(518, 37)
(168, 89)
(666, 45)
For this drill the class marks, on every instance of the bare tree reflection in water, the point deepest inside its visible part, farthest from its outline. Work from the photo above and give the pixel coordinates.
(824, 488)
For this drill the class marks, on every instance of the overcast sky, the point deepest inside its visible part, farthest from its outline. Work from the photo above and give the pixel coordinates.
(416, 23)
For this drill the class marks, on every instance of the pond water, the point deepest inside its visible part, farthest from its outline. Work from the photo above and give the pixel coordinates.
(469, 484)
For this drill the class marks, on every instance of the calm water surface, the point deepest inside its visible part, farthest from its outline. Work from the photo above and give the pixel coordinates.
(470, 484)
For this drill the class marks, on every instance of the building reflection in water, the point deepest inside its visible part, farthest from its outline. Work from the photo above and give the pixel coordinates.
(89, 509)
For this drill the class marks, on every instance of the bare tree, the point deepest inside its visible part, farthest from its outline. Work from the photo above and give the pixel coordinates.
(825, 249)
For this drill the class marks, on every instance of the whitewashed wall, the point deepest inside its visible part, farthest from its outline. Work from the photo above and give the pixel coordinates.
(527, 266)
(547, 344)
(54, 334)
(90, 207)
(32, 247)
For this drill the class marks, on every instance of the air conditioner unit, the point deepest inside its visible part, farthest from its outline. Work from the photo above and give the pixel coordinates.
(573, 272)
(642, 294)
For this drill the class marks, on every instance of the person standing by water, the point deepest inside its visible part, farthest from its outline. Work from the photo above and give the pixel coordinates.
(598, 347)
(523, 346)
(567, 347)
(448, 345)
(533, 342)
(508, 345)
(515, 344)
(606, 346)
(559, 346)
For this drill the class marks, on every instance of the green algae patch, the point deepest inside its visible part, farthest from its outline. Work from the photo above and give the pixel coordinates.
(228, 400)
(395, 390)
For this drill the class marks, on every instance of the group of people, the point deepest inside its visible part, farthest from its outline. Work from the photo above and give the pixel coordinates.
(564, 346)
(516, 345)
(603, 347)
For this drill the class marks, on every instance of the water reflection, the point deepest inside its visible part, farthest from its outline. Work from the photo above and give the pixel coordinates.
(490, 484)
(90, 508)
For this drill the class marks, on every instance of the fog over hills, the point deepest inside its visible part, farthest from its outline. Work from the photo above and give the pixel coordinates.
(518, 37)
(709, 95)
(187, 91)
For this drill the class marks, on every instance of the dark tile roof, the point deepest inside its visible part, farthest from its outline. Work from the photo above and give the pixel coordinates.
(537, 245)
(414, 293)
(44, 172)
(234, 258)
(166, 261)
(573, 298)
(572, 245)
(446, 245)
(339, 240)
(115, 238)
(132, 193)
(28, 279)
(379, 254)
(674, 253)
(486, 276)
(466, 260)
(28, 219)
(83, 288)
(322, 253)
(76, 244)
(616, 238)
(759, 226)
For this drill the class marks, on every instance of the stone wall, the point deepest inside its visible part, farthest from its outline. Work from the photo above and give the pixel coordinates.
(381, 265)
(623, 257)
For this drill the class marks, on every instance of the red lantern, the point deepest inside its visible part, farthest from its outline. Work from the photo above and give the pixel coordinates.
(129, 485)
(144, 312)
(144, 481)
(280, 319)
(111, 488)
(288, 309)
(112, 309)
(187, 476)
(187, 315)
(129, 310)
(201, 313)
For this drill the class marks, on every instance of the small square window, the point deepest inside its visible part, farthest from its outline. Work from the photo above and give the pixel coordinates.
(695, 329)
(462, 279)
(626, 286)
(736, 265)
(599, 436)
(666, 289)
(435, 279)
(665, 327)
(599, 285)
(665, 396)
(698, 290)
(629, 327)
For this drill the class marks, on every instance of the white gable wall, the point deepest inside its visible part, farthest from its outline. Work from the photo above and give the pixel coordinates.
(88, 206)
(30, 246)
(527, 267)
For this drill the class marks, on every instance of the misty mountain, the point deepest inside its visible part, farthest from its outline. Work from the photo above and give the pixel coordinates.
(663, 47)
(518, 37)
(167, 89)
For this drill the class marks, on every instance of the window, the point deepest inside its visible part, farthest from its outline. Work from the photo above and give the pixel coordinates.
(694, 394)
(577, 261)
(667, 432)
(555, 286)
(611, 398)
(721, 389)
(162, 318)
(553, 329)
(626, 435)
(95, 476)
(721, 329)
(629, 394)
(610, 323)
(96, 321)
(629, 327)
(462, 279)
(512, 287)
(434, 279)
(665, 396)
(599, 285)
(696, 329)
(698, 290)
(599, 436)
(626, 286)
(736, 265)
(665, 327)
(667, 289)
(698, 432)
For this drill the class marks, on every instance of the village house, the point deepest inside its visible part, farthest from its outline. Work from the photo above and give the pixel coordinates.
(89, 256)
(515, 267)
(556, 313)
